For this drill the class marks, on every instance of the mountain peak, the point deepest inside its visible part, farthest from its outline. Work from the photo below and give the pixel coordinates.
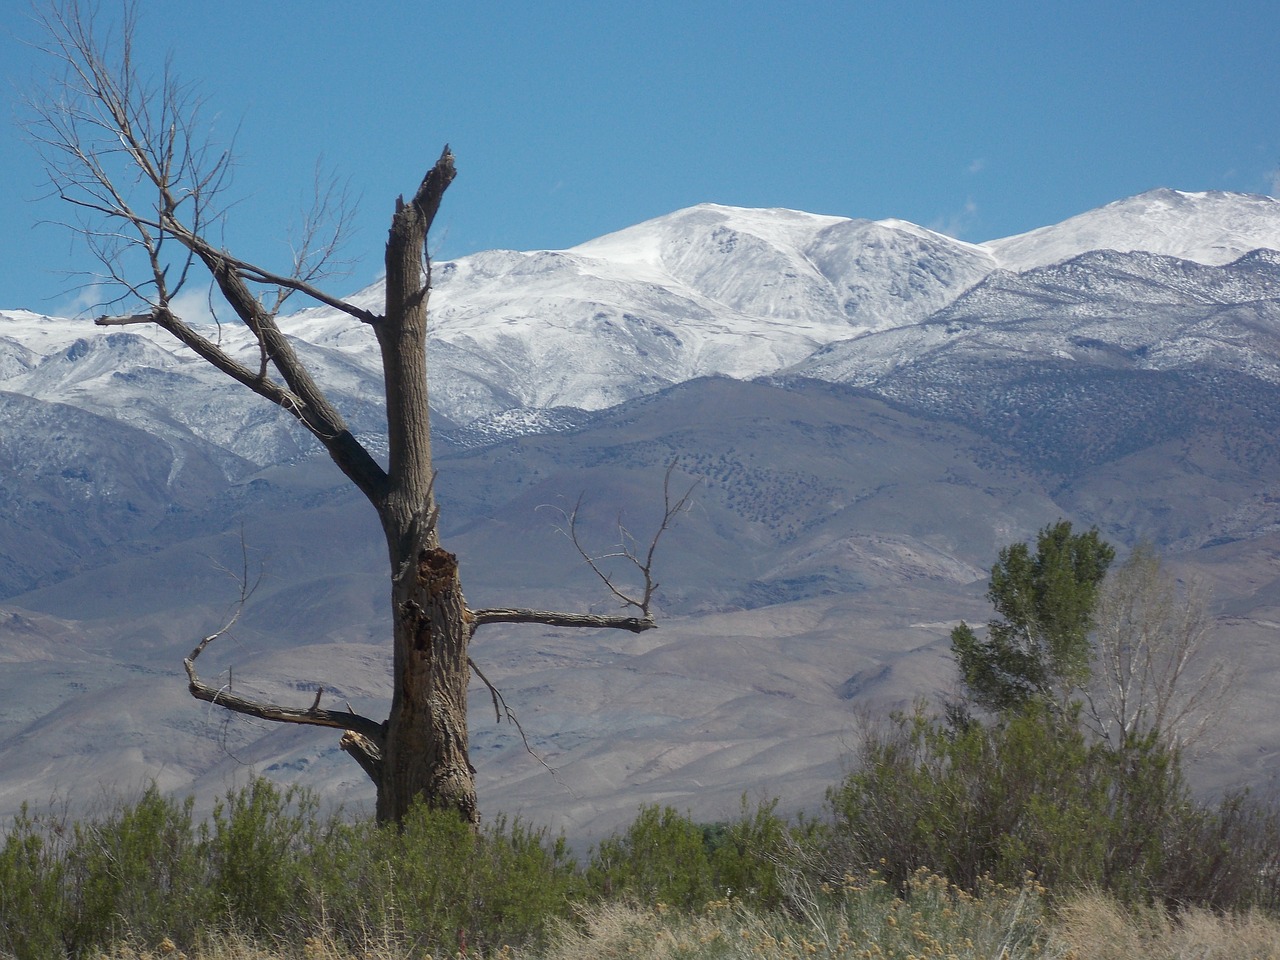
(1211, 227)
(643, 242)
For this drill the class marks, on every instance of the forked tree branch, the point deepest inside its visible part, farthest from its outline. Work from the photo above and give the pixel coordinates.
(641, 599)
(263, 710)
(627, 547)
(222, 696)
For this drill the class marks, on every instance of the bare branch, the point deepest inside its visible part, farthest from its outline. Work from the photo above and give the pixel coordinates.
(501, 709)
(553, 619)
(627, 550)
(256, 274)
(207, 350)
(223, 697)
(313, 716)
(319, 241)
(641, 601)
(671, 509)
(105, 321)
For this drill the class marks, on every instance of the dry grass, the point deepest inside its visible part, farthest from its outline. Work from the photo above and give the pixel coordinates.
(235, 946)
(861, 921)
(863, 924)
(1095, 927)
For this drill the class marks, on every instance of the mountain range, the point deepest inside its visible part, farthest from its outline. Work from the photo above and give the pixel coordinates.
(868, 410)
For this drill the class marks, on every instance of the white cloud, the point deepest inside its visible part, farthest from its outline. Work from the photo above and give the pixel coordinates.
(192, 305)
(957, 223)
(86, 301)
(97, 298)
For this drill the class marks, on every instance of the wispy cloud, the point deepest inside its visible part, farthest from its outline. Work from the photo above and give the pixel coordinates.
(93, 299)
(192, 305)
(976, 166)
(86, 300)
(958, 222)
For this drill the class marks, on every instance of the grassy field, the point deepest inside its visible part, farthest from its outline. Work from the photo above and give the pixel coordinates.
(859, 924)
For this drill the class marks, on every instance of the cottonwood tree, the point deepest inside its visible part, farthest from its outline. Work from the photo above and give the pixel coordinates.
(1151, 674)
(125, 148)
(1037, 649)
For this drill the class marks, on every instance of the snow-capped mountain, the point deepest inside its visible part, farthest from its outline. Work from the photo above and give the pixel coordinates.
(707, 291)
(716, 290)
(1213, 227)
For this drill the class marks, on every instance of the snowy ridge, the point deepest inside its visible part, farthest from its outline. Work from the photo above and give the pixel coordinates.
(1101, 310)
(707, 291)
(711, 290)
(1213, 227)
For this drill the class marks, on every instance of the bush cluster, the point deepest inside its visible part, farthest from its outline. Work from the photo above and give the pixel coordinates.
(940, 835)
(1030, 793)
(268, 864)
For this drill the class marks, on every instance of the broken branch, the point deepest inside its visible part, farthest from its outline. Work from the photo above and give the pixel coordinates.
(264, 710)
(369, 730)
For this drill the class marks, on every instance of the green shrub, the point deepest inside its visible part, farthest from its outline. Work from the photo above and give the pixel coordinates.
(434, 881)
(1028, 793)
(136, 872)
(752, 858)
(660, 858)
(268, 866)
(1224, 857)
(256, 850)
(32, 908)
(523, 880)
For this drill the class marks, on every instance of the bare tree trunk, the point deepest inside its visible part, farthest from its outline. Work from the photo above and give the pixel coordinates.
(426, 741)
(425, 753)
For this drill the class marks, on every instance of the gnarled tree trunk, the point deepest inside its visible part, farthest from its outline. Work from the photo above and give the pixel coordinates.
(425, 752)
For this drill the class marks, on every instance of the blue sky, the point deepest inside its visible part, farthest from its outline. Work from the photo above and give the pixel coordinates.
(572, 119)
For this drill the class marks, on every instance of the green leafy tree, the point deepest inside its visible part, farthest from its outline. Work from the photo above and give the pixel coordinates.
(1037, 649)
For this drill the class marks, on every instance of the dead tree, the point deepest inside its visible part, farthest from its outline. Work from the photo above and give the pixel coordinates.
(1151, 672)
(126, 151)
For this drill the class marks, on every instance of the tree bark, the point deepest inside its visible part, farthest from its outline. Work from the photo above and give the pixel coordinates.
(425, 752)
